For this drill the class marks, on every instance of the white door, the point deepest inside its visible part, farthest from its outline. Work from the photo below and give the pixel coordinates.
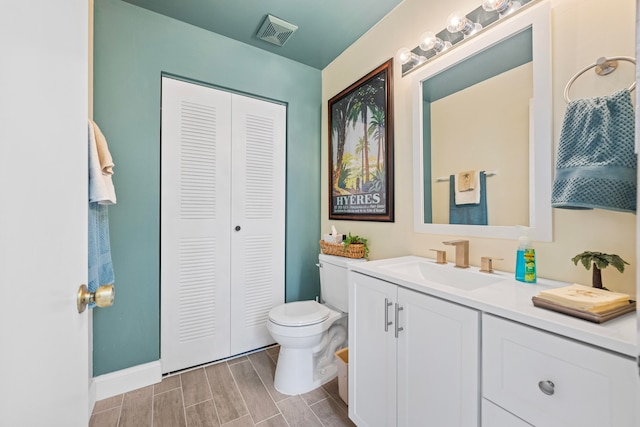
(258, 214)
(44, 366)
(222, 222)
(372, 351)
(195, 224)
(438, 368)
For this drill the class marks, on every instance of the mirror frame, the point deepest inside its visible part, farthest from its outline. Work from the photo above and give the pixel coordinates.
(536, 16)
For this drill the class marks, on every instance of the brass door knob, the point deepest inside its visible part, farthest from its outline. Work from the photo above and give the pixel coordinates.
(102, 297)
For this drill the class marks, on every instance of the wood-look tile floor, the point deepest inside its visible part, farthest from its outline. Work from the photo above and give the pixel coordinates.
(233, 393)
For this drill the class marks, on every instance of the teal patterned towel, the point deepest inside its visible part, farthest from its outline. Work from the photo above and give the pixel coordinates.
(596, 163)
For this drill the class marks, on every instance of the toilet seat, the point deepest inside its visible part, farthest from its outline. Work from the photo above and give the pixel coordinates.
(299, 313)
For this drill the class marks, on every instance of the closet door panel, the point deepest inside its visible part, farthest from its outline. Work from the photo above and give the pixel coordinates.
(195, 234)
(258, 209)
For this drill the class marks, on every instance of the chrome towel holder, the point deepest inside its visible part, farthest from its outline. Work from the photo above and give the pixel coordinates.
(603, 66)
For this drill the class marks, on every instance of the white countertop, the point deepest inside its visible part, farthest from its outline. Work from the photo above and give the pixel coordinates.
(511, 299)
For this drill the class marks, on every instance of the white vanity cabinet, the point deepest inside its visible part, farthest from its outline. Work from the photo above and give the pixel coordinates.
(414, 358)
(536, 368)
(548, 380)
(493, 415)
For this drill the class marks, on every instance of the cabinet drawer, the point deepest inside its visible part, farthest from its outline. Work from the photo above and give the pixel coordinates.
(551, 381)
(495, 416)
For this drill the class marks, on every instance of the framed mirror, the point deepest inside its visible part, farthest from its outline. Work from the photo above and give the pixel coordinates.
(485, 106)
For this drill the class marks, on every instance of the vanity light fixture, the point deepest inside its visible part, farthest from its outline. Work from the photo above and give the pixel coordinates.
(429, 40)
(459, 27)
(405, 56)
(458, 22)
(503, 7)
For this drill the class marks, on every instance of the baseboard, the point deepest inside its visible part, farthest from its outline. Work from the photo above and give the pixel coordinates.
(92, 395)
(129, 379)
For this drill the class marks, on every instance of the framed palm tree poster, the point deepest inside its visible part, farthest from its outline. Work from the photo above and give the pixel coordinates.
(361, 149)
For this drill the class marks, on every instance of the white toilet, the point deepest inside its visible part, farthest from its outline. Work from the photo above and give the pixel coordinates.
(309, 333)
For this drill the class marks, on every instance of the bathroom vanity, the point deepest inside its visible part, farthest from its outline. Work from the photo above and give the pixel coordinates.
(431, 344)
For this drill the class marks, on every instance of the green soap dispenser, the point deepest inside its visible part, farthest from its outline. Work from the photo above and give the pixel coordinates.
(525, 257)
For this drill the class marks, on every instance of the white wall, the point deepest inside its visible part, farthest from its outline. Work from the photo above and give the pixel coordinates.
(583, 30)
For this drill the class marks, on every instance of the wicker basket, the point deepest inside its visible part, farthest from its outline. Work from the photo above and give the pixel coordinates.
(354, 250)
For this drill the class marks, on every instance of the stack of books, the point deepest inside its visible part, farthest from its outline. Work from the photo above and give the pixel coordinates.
(586, 302)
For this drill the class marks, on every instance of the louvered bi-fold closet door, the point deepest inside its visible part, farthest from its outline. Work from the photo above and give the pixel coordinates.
(195, 224)
(222, 222)
(258, 210)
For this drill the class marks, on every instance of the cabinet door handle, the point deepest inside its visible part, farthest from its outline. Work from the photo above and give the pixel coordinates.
(398, 310)
(387, 304)
(547, 387)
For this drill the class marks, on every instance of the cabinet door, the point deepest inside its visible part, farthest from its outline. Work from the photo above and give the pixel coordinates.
(258, 219)
(438, 365)
(372, 352)
(194, 268)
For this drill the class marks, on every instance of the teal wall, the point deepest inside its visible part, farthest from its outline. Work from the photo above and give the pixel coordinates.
(132, 48)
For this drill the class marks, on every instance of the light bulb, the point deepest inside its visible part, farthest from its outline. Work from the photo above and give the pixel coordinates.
(429, 41)
(455, 21)
(404, 56)
(503, 7)
(458, 22)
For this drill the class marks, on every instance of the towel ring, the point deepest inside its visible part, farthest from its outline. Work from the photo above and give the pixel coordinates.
(603, 67)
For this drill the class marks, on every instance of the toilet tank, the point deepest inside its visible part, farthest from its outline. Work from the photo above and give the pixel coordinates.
(333, 280)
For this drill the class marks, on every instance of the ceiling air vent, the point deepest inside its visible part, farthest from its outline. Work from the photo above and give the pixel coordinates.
(275, 30)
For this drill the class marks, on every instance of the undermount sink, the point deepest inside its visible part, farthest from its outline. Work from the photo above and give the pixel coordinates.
(447, 274)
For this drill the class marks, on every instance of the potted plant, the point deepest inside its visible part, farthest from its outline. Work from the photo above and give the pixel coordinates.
(599, 261)
(356, 240)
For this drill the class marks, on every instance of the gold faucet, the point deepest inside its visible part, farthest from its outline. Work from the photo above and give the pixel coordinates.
(462, 252)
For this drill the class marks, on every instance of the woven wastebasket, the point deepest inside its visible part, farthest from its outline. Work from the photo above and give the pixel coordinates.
(343, 374)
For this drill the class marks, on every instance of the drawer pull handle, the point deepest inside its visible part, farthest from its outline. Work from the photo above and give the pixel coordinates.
(547, 387)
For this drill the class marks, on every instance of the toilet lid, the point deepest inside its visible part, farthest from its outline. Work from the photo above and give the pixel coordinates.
(300, 313)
